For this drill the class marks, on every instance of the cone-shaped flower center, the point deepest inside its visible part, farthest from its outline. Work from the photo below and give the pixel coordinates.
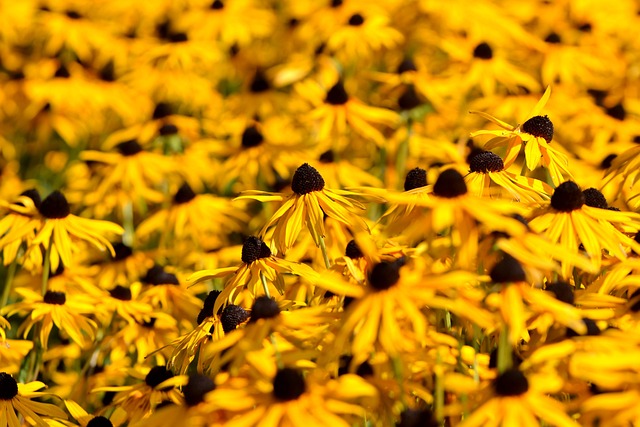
(184, 194)
(450, 184)
(356, 20)
(157, 276)
(168, 129)
(55, 298)
(539, 126)
(207, 309)
(306, 179)
(108, 72)
(73, 14)
(483, 51)
(336, 3)
(567, 197)
(606, 162)
(217, 5)
(251, 137)
(288, 384)
(8, 387)
(62, 72)
(157, 375)
(259, 83)
(254, 249)
(594, 198)
(417, 418)
(416, 178)
(33, 195)
(337, 95)
(264, 308)
(99, 421)
(162, 110)
(562, 291)
(129, 148)
(384, 275)
(327, 157)
(55, 206)
(121, 293)
(486, 162)
(232, 316)
(618, 112)
(196, 388)
(409, 99)
(553, 38)
(508, 270)
(122, 251)
(353, 250)
(511, 383)
(407, 64)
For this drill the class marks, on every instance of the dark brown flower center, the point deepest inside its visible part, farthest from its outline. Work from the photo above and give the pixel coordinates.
(260, 83)
(409, 99)
(507, 270)
(217, 5)
(33, 195)
(264, 308)
(8, 387)
(450, 184)
(416, 178)
(618, 112)
(232, 316)
(99, 421)
(486, 162)
(562, 291)
(162, 110)
(207, 309)
(156, 275)
(592, 329)
(553, 38)
(251, 137)
(337, 95)
(55, 206)
(511, 383)
(407, 64)
(196, 388)
(306, 179)
(168, 129)
(483, 51)
(288, 384)
(184, 194)
(567, 197)
(606, 162)
(327, 157)
(55, 298)
(356, 20)
(129, 148)
(417, 418)
(594, 198)
(384, 275)
(121, 293)
(353, 250)
(254, 249)
(157, 375)
(539, 126)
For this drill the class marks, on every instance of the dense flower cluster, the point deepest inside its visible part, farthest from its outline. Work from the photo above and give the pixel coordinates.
(319, 213)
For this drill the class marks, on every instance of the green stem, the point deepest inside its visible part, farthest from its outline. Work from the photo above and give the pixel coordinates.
(47, 266)
(439, 391)
(127, 224)
(265, 285)
(505, 358)
(323, 248)
(11, 272)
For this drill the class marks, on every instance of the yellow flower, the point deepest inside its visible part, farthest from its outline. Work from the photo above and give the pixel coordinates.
(20, 223)
(536, 134)
(61, 229)
(117, 418)
(17, 397)
(307, 205)
(55, 308)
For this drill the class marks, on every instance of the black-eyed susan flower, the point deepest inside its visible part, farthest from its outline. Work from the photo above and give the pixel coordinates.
(487, 167)
(569, 221)
(536, 133)
(307, 205)
(335, 112)
(19, 224)
(62, 230)
(516, 399)
(258, 264)
(182, 219)
(15, 398)
(116, 419)
(67, 312)
(138, 401)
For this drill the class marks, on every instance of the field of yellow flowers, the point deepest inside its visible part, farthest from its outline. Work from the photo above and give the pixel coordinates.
(315, 213)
